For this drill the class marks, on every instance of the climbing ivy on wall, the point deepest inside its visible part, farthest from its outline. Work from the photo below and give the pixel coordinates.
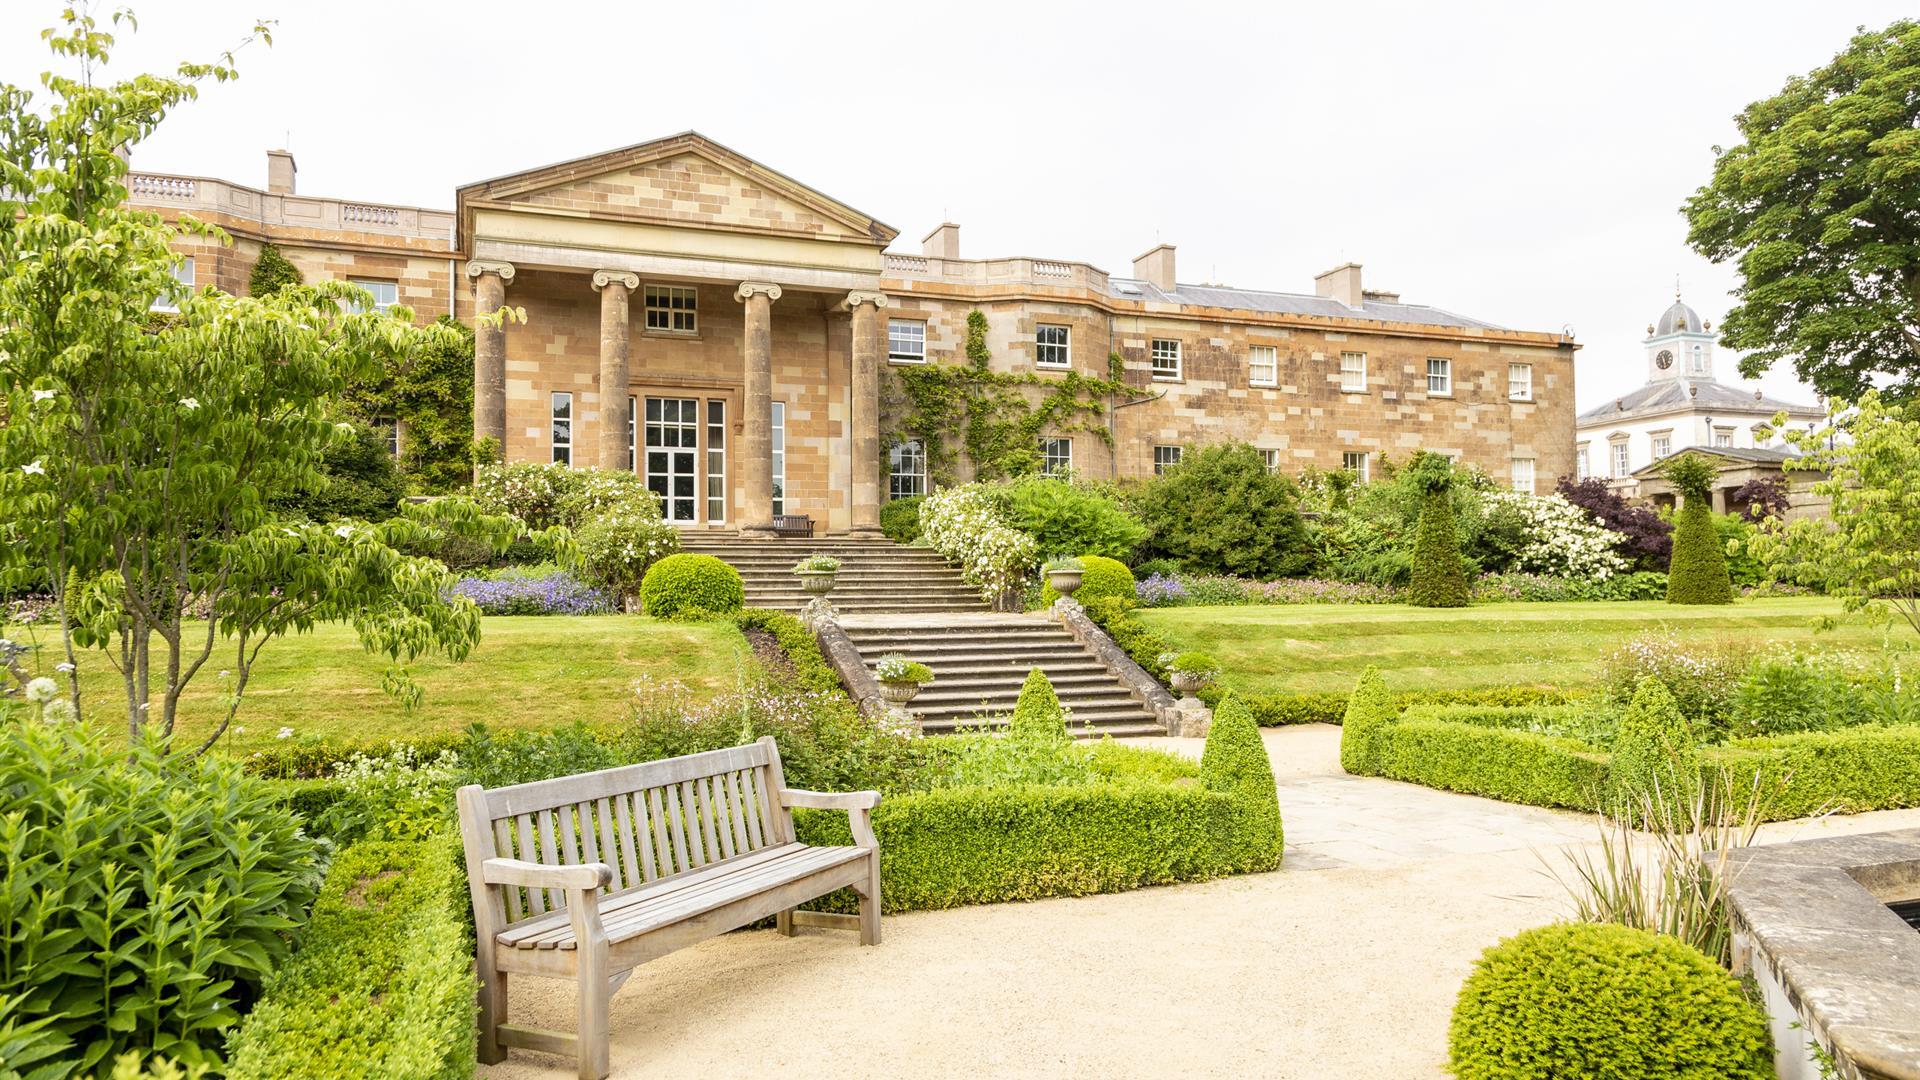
(995, 419)
(431, 395)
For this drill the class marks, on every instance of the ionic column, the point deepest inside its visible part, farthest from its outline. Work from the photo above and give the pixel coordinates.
(490, 354)
(755, 459)
(864, 418)
(616, 289)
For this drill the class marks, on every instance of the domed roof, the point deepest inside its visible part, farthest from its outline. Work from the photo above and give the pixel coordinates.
(1677, 319)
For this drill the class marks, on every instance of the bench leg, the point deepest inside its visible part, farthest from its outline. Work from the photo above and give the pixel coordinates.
(870, 904)
(595, 997)
(783, 922)
(493, 1013)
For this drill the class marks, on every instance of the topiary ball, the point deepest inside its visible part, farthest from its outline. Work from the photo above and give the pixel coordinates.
(1099, 576)
(689, 587)
(1602, 1000)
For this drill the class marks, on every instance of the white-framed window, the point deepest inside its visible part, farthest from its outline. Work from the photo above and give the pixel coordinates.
(907, 341)
(1051, 346)
(385, 293)
(633, 432)
(1271, 459)
(778, 445)
(1056, 456)
(1723, 437)
(1523, 475)
(671, 309)
(1698, 360)
(716, 461)
(1165, 354)
(1662, 445)
(389, 428)
(562, 427)
(1263, 365)
(1439, 376)
(1582, 464)
(1519, 382)
(170, 300)
(1620, 458)
(1164, 458)
(906, 469)
(1353, 372)
(672, 442)
(1357, 462)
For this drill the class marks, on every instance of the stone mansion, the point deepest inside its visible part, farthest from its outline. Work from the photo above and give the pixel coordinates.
(727, 332)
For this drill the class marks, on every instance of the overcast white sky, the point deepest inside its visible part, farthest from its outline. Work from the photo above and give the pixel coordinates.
(1523, 163)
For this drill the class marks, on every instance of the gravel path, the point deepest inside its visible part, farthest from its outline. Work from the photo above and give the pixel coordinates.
(1343, 964)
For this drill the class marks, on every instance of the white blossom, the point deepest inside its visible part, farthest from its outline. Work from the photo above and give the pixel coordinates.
(63, 668)
(35, 469)
(45, 395)
(42, 690)
(284, 733)
(344, 532)
(189, 403)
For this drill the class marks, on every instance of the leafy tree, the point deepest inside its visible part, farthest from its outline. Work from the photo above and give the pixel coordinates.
(1439, 574)
(1645, 537)
(1698, 574)
(1222, 511)
(1820, 207)
(272, 272)
(1764, 497)
(137, 463)
(428, 392)
(356, 479)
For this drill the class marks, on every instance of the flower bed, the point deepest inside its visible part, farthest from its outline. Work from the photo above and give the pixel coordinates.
(555, 593)
(1181, 590)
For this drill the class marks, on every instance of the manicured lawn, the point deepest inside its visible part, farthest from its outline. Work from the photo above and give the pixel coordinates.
(1324, 647)
(526, 671)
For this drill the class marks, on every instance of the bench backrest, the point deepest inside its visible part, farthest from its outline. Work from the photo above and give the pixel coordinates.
(646, 821)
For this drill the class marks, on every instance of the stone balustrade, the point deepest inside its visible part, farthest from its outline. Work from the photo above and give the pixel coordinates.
(206, 198)
(1049, 273)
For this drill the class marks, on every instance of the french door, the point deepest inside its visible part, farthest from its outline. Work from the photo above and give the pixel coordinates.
(673, 447)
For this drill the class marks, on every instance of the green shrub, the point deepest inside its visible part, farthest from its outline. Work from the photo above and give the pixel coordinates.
(383, 982)
(1235, 763)
(400, 795)
(989, 760)
(1099, 577)
(1037, 715)
(619, 546)
(1222, 511)
(529, 490)
(900, 519)
(587, 493)
(1114, 614)
(690, 586)
(1599, 1000)
(357, 480)
(1848, 771)
(271, 272)
(1279, 710)
(1438, 575)
(1654, 754)
(145, 896)
(810, 670)
(1368, 709)
(1698, 572)
(1592, 723)
(1782, 694)
(1117, 761)
(1066, 518)
(1701, 677)
(1496, 762)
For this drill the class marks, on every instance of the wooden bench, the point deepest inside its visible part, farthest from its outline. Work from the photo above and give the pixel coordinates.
(587, 877)
(792, 525)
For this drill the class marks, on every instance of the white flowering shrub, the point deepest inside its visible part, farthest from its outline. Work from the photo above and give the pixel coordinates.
(618, 545)
(1562, 540)
(962, 524)
(404, 795)
(528, 490)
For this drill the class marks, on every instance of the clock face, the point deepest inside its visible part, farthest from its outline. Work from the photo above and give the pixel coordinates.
(1665, 360)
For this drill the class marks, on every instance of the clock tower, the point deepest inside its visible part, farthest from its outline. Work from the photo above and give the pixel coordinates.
(1679, 346)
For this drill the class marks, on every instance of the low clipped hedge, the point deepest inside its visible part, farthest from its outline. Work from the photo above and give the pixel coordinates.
(1280, 710)
(810, 668)
(686, 586)
(1499, 763)
(1851, 770)
(382, 984)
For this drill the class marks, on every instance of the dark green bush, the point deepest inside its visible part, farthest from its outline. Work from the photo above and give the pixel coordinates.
(1235, 763)
(383, 982)
(1601, 1000)
(690, 586)
(1223, 512)
(271, 272)
(1370, 708)
(1438, 576)
(1066, 518)
(900, 519)
(357, 480)
(144, 896)
(1654, 755)
(1099, 577)
(1497, 762)
(1037, 715)
(1698, 573)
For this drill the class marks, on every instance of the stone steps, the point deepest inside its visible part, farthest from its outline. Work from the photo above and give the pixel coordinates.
(876, 576)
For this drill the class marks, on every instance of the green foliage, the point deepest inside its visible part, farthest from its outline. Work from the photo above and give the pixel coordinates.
(1368, 709)
(144, 897)
(383, 983)
(1849, 771)
(1701, 677)
(1037, 715)
(1222, 511)
(1279, 710)
(1600, 1000)
(1692, 475)
(690, 586)
(1114, 614)
(1438, 577)
(809, 667)
(1498, 762)
(1584, 723)
(356, 480)
(618, 546)
(1698, 573)
(1654, 754)
(272, 272)
(403, 794)
(1067, 518)
(1100, 577)
(895, 668)
(430, 395)
(1816, 204)
(1734, 535)
(1235, 763)
(994, 761)
(900, 519)
(1779, 695)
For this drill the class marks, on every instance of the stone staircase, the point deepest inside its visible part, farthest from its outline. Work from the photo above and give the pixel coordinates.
(875, 575)
(979, 662)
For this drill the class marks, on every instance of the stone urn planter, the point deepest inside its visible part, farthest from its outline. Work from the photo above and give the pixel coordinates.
(817, 574)
(1189, 673)
(1188, 684)
(900, 682)
(1064, 582)
(898, 694)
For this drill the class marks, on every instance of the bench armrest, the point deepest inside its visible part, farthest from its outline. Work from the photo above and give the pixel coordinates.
(830, 800)
(538, 876)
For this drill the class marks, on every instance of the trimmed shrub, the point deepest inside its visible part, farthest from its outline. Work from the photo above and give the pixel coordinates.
(1849, 771)
(1279, 710)
(1497, 762)
(271, 272)
(1099, 577)
(1439, 576)
(691, 587)
(1698, 574)
(1584, 723)
(618, 546)
(900, 519)
(1600, 1000)
(1037, 715)
(1235, 763)
(1653, 753)
(1222, 511)
(1368, 709)
(810, 668)
(383, 983)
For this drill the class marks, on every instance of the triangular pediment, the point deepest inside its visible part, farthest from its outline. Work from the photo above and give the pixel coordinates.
(686, 180)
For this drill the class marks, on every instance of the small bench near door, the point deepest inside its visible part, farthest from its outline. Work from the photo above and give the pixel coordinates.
(792, 525)
(587, 877)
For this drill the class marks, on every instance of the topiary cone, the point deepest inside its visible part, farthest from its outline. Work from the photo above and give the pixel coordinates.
(1698, 573)
(1235, 763)
(1368, 709)
(1439, 574)
(1655, 760)
(1038, 715)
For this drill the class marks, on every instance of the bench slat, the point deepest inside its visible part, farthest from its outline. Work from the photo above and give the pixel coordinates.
(755, 809)
(623, 820)
(503, 844)
(544, 925)
(610, 845)
(536, 898)
(549, 832)
(549, 794)
(574, 845)
(730, 795)
(663, 849)
(703, 804)
(677, 828)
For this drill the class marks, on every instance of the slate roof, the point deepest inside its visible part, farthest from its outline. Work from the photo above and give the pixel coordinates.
(1679, 317)
(1697, 395)
(1218, 296)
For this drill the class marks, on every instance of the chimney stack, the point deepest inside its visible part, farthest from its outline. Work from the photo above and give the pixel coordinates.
(1341, 283)
(281, 171)
(1156, 267)
(942, 243)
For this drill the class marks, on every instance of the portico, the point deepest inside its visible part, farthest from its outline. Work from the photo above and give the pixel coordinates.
(748, 383)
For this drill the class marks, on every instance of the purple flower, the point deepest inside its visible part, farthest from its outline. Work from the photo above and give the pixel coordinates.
(1160, 590)
(558, 593)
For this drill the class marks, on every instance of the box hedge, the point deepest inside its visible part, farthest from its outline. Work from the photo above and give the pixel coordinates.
(1099, 577)
(382, 984)
(1499, 763)
(686, 586)
(1280, 710)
